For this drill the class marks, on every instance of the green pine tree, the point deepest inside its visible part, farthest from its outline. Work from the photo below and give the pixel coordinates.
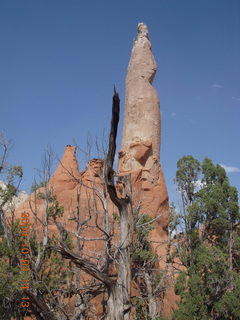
(209, 246)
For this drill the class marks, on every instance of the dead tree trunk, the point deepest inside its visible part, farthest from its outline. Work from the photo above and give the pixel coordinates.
(119, 302)
(119, 299)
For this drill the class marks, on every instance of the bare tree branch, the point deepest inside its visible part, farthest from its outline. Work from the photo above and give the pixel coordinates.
(87, 266)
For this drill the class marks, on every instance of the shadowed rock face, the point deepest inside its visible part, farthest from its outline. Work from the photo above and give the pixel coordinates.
(141, 131)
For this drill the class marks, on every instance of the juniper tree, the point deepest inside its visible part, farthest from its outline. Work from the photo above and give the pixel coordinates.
(209, 247)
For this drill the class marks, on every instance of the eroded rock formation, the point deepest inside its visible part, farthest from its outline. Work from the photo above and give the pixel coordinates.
(139, 156)
(140, 150)
(141, 131)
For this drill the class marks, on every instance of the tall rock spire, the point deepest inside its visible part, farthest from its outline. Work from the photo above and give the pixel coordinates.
(141, 130)
(140, 150)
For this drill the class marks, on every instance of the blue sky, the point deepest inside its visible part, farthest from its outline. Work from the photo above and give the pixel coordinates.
(59, 60)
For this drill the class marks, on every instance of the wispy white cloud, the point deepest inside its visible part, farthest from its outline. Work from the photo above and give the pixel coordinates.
(216, 86)
(230, 169)
(236, 99)
(173, 114)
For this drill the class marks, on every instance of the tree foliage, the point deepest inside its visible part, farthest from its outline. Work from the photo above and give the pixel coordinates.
(208, 246)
